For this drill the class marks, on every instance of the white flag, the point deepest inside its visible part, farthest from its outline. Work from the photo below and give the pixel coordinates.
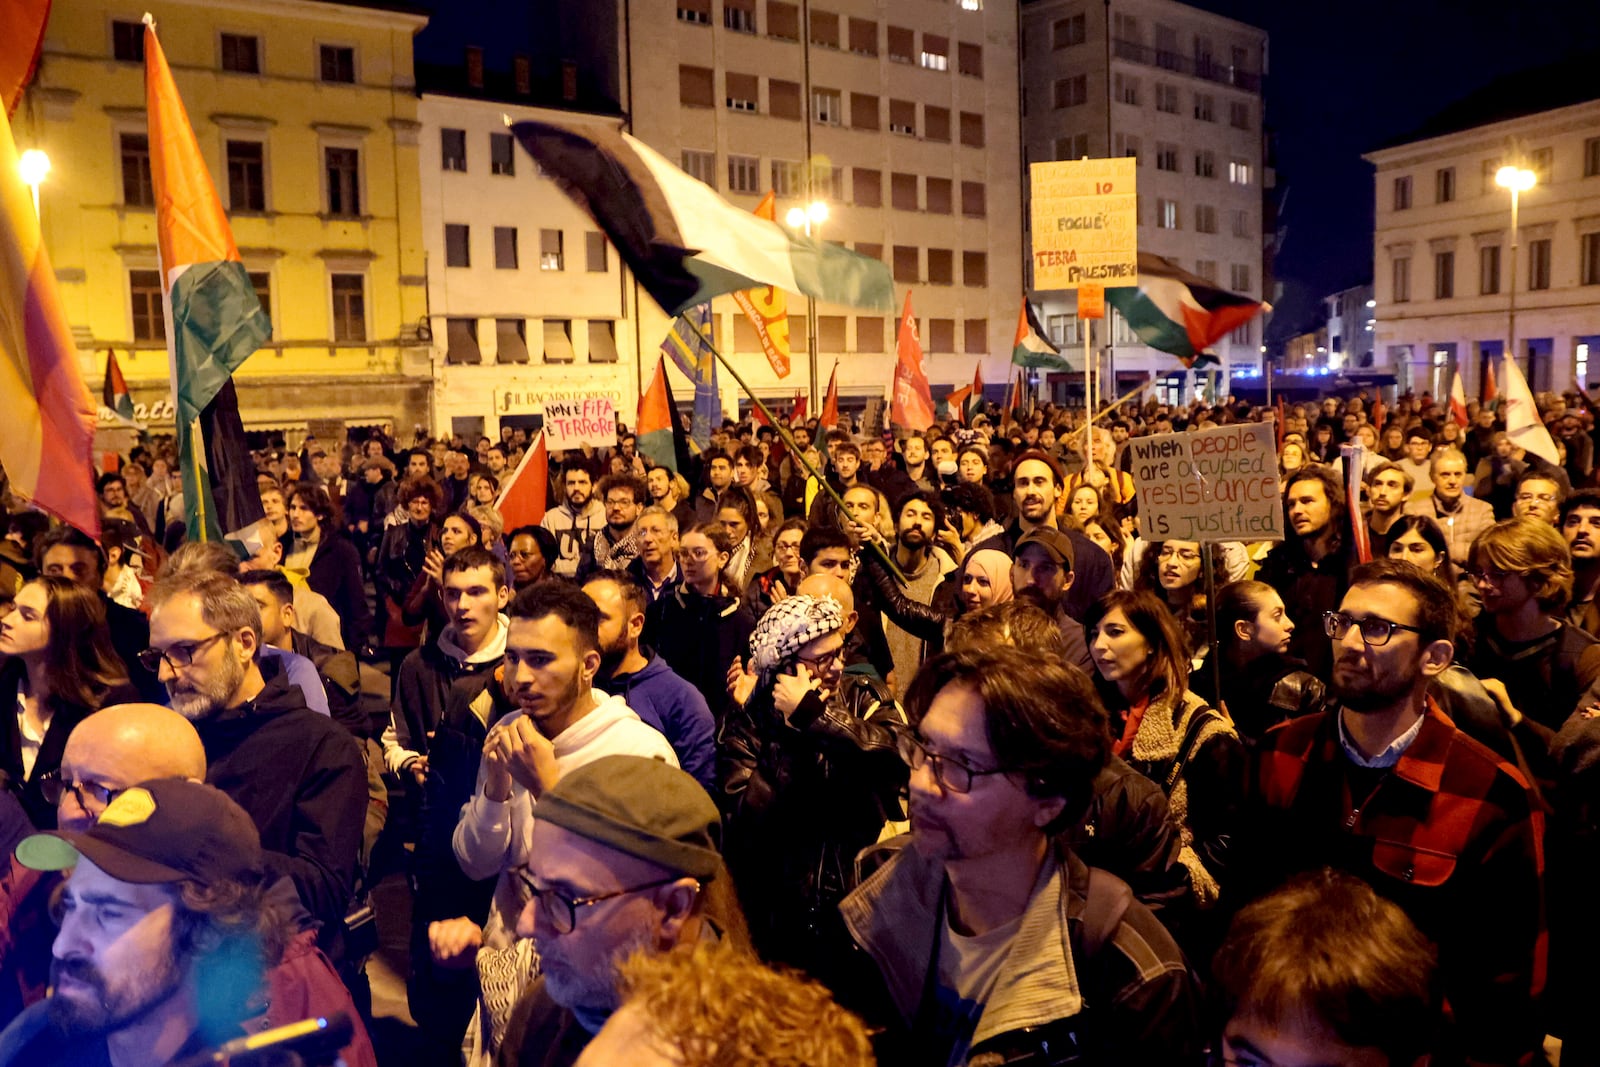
(1523, 425)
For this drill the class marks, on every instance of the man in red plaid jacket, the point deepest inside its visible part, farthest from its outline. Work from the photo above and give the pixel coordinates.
(1381, 784)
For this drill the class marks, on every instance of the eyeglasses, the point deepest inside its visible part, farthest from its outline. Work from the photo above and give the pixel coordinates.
(1544, 498)
(1374, 632)
(818, 664)
(1488, 575)
(54, 787)
(696, 555)
(952, 775)
(1188, 555)
(177, 656)
(565, 920)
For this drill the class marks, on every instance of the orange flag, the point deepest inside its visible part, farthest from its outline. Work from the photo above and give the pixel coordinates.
(913, 399)
(767, 308)
(523, 499)
(830, 402)
(24, 22)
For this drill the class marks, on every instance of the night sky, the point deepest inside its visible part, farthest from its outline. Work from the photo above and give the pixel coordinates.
(1345, 78)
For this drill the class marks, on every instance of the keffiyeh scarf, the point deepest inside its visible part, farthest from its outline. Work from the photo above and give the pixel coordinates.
(788, 626)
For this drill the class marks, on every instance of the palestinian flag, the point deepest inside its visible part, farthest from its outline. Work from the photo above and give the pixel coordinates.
(114, 395)
(1180, 313)
(656, 419)
(682, 241)
(214, 321)
(1030, 349)
(974, 402)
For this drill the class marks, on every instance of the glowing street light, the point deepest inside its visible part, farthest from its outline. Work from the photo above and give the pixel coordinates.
(1519, 181)
(803, 218)
(34, 166)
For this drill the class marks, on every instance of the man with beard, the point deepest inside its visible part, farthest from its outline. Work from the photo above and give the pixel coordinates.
(924, 566)
(1310, 569)
(1383, 785)
(719, 475)
(616, 544)
(992, 938)
(576, 520)
(1460, 516)
(657, 695)
(624, 859)
(1044, 572)
(1580, 525)
(560, 722)
(655, 568)
(165, 933)
(1388, 488)
(298, 774)
(498, 463)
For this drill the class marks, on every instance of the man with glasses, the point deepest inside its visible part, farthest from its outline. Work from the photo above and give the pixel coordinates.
(993, 940)
(616, 544)
(298, 774)
(624, 860)
(1537, 495)
(1383, 785)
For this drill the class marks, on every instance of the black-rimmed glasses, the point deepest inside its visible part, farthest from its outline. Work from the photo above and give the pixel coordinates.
(1374, 632)
(952, 775)
(565, 920)
(54, 787)
(177, 656)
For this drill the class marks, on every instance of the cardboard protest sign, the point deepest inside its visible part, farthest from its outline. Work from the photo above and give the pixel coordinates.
(1084, 220)
(1210, 485)
(573, 423)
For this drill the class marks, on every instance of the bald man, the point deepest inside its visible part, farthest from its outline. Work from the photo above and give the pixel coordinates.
(832, 585)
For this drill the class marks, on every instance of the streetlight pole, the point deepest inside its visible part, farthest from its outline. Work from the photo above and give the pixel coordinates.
(1518, 181)
(809, 219)
(34, 165)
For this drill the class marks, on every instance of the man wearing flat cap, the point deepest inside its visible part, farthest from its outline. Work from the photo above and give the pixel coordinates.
(626, 858)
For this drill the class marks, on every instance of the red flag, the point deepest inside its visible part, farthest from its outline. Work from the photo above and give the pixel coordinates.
(830, 402)
(24, 21)
(1458, 401)
(798, 412)
(522, 501)
(1378, 412)
(1006, 410)
(1490, 394)
(759, 416)
(1353, 464)
(1280, 422)
(913, 399)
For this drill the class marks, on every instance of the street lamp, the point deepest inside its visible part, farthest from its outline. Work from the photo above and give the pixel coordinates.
(809, 219)
(34, 166)
(1518, 181)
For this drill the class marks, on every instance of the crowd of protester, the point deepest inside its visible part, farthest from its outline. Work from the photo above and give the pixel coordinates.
(830, 748)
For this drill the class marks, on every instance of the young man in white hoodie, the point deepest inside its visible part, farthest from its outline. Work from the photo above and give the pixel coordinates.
(561, 721)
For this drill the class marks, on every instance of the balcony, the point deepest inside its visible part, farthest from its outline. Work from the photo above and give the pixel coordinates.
(1206, 70)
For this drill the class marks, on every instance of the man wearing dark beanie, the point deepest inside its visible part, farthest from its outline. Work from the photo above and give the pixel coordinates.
(626, 858)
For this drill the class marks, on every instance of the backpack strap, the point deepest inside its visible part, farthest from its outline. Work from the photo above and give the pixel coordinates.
(1105, 903)
(1198, 722)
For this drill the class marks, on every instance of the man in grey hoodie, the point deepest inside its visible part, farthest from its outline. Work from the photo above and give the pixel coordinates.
(578, 518)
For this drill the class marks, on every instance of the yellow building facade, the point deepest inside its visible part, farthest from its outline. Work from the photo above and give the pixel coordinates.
(306, 114)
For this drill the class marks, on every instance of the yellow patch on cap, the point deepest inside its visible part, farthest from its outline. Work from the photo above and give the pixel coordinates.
(131, 808)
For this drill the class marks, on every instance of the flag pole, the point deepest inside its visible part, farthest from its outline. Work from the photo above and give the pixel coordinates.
(788, 439)
(197, 449)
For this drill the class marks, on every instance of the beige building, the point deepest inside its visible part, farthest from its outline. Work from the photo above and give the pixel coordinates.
(1442, 252)
(1180, 90)
(907, 115)
(306, 116)
(525, 295)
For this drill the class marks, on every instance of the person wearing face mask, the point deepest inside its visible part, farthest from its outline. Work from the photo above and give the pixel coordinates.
(1262, 684)
(812, 775)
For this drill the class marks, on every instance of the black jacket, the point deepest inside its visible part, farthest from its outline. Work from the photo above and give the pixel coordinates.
(422, 692)
(1309, 589)
(335, 572)
(130, 635)
(301, 778)
(341, 681)
(64, 718)
(699, 637)
(1092, 573)
(1127, 828)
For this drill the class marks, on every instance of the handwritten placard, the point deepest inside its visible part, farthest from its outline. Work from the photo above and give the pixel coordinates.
(1210, 485)
(590, 420)
(1084, 217)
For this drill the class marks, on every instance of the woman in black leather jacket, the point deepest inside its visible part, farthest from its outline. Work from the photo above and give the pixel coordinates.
(1262, 685)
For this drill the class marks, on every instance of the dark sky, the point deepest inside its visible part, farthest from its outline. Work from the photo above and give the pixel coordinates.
(1345, 77)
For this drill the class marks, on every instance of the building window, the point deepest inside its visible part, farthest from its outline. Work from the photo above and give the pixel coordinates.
(149, 320)
(974, 200)
(936, 123)
(1166, 213)
(697, 12)
(1167, 98)
(969, 59)
(595, 257)
(551, 256)
(744, 174)
(1402, 281)
(1589, 259)
(827, 107)
(127, 42)
(783, 99)
(1206, 268)
(453, 149)
(1239, 278)
(1591, 157)
(866, 187)
(1444, 185)
(941, 266)
(261, 282)
(558, 341)
(461, 341)
(1205, 164)
(941, 335)
(241, 53)
(830, 333)
(511, 340)
(788, 178)
(247, 176)
(1539, 264)
(871, 251)
(343, 166)
(743, 92)
(824, 29)
(1063, 329)
(702, 165)
(903, 192)
(864, 37)
(902, 45)
(863, 111)
(739, 15)
(1069, 31)
(1074, 147)
(907, 263)
(1240, 335)
(1489, 270)
(1127, 145)
(696, 86)
(783, 20)
(977, 336)
(457, 244)
(1444, 275)
(1205, 218)
(935, 53)
(138, 187)
(939, 195)
(1239, 172)
(603, 341)
(972, 129)
(505, 248)
(338, 64)
(975, 269)
(1241, 223)
(1541, 163)
(869, 333)
(349, 308)
(1125, 87)
(1239, 115)
(1205, 107)
(502, 154)
(1402, 193)
(903, 118)
(1072, 92)
(1167, 157)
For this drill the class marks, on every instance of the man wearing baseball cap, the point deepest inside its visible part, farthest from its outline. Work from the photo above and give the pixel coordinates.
(626, 857)
(164, 936)
(1043, 571)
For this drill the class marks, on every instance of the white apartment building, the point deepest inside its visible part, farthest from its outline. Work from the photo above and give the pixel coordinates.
(907, 114)
(1442, 252)
(525, 295)
(1179, 89)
